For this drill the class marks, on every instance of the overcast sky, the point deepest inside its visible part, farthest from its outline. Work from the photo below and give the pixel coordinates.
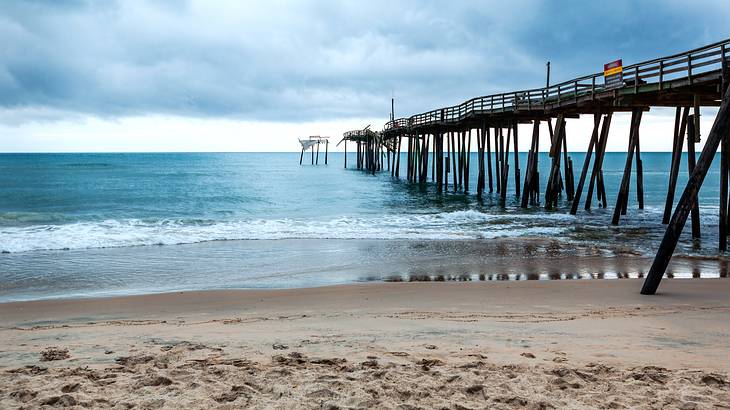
(254, 76)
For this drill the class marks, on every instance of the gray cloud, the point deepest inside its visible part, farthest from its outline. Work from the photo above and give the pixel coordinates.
(293, 61)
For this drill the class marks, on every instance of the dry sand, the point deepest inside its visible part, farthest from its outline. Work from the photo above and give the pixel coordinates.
(566, 344)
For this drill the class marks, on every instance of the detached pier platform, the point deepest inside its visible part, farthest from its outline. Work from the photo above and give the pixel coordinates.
(686, 81)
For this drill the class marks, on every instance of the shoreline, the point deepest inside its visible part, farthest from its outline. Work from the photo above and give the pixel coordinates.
(299, 264)
(539, 344)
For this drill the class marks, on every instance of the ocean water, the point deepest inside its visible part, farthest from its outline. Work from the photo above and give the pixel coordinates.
(101, 224)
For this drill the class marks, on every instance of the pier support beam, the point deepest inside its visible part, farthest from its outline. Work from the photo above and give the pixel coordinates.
(691, 159)
(553, 186)
(720, 130)
(505, 165)
(467, 162)
(592, 145)
(517, 160)
(480, 162)
(623, 193)
(531, 187)
(487, 138)
(497, 166)
(680, 124)
(597, 173)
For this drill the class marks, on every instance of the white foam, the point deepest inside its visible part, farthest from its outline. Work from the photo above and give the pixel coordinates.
(468, 224)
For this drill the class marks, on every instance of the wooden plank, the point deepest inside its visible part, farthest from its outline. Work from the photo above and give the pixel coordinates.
(720, 129)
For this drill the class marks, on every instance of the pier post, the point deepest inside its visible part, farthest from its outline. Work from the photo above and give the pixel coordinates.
(438, 159)
(460, 156)
(487, 138)
(639, 173)
(467, 153)
(680, 124)
(317, 152)
(592, 145)
(553, 186)
(480, 163)
(530, 173)
(517, 160)
(691, 159)
(453, 161)
(723, 192)
(597, 174)
(720, 130)
(326, 150)
(397, 158)
(567, 163)
(301, 156)
(497, 166)
(505, 166)
(623, 193)
(433, 158)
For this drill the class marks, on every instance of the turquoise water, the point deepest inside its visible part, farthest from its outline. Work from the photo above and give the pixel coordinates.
(87, 224)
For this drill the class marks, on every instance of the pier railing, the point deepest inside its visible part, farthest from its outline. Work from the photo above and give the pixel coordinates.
(655, 73)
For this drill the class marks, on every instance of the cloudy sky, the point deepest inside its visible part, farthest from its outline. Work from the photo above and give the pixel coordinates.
(253, 76)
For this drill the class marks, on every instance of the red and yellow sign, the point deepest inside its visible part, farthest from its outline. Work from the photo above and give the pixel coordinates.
(613, 67)
(613, 74)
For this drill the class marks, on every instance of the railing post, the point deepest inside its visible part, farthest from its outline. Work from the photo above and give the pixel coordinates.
(636, 79)
(593, 88)
(559, 87)
(689, 67)
(724, 69)
(576, 91)
(514, 103)
(661, 75)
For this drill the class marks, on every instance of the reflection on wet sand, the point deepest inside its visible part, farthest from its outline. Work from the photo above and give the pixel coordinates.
(537, 259)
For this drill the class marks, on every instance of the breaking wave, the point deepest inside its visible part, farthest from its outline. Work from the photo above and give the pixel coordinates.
(468, 224)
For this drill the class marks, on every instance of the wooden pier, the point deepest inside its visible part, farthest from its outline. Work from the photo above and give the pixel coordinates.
(686, 81)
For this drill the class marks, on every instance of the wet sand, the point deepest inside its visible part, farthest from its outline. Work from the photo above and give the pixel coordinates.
(531, 344)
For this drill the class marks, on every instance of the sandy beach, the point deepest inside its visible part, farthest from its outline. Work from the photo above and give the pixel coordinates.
(523, 344)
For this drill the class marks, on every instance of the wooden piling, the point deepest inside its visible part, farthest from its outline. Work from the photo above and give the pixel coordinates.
(453, 161)
(691, 159)
(505, 166)
(723, 222)
(531, 172)
(553, 186)
(487, 138)
(680, 124)
(517, 160)
(592, 145)
(497, 166)
(467, 162)
(622, 198)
